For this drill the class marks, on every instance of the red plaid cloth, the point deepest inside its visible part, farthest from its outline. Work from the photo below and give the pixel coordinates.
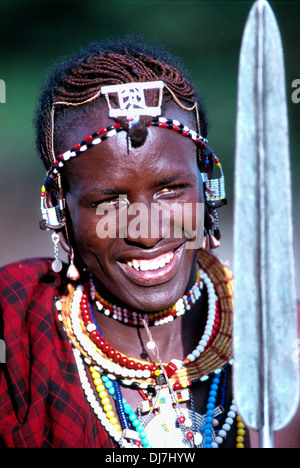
(42, 403)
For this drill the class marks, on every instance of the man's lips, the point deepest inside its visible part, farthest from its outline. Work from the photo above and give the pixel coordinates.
(150, 271)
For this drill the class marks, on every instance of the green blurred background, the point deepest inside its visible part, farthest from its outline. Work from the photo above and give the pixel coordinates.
(205, 34)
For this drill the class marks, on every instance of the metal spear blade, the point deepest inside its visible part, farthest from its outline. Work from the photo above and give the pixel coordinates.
(266, 382)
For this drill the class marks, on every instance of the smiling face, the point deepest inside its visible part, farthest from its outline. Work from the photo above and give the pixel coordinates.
(147, 270)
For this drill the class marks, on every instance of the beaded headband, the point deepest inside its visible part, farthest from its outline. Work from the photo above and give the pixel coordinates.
(132, 105)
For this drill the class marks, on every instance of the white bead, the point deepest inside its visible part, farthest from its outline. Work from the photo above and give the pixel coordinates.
(226, 427)
(229, 421)
(188, 423)
(191, 357)
(150, 345)
(219, 440)
(222, 433)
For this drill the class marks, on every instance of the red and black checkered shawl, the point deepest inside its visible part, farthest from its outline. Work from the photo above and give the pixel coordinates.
(42, 403)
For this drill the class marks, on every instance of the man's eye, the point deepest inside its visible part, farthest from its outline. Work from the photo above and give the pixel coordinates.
(172, 189)
(110, 202)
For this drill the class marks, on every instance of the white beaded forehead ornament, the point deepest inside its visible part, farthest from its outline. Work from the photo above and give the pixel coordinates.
(132, 104)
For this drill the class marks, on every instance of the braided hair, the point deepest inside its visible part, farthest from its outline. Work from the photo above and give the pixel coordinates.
(80, 77)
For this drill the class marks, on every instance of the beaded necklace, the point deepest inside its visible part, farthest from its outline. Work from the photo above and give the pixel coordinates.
(109, 371)
(130, 317)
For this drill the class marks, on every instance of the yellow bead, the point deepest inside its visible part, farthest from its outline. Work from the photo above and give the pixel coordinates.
(96, 375)
(98, 382)
(241, 446)
(43, 189)
(239, 419)
(117, 427)
(114, 422)
(100, 388)
(240, 425)
(107, 407)
(157, 372)
(105, 400)
(184, 384)
(239, 439)
(241, 432)
(110, 414)
(102, 394)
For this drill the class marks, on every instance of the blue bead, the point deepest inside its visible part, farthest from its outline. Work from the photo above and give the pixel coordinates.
(210, 412)
(210, 406)
(132, 416)
(208, 440)
(145, 442)
(127, 408)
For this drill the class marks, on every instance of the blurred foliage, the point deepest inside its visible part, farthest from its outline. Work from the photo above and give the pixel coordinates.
(35, 34)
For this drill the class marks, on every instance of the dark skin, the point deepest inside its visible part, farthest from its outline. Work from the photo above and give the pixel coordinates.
(164, 170)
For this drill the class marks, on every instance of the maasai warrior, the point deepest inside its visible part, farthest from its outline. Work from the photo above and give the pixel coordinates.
(130, 345)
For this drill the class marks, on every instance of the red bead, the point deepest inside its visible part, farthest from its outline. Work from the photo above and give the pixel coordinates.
(123, 361)
(77, 147)
(118, 357)
(131, 364)
(177, 386)
(102, 131)
(106, 348)
(181, 419)
(88, 138)
(170, 369)
(189, 435)
(111, 353)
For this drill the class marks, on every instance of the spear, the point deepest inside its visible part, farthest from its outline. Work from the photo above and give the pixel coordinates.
(266, 381)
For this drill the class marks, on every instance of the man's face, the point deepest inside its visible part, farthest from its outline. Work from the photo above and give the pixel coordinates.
(143, 263)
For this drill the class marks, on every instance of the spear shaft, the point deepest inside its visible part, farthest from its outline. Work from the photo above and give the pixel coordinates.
(266, 382)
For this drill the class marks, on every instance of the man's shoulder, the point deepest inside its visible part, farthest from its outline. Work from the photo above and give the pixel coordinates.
(21, 281)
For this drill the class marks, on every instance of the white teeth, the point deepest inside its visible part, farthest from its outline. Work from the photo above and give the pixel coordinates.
(151, 264)
(135, 264)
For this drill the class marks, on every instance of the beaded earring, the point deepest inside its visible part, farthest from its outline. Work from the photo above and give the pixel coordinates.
(215, 195)
(56, 264)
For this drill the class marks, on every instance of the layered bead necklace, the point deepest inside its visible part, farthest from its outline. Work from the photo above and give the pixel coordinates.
(159, 421)
(159, 318)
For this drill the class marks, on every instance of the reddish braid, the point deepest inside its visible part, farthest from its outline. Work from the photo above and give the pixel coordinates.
(125, 61)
